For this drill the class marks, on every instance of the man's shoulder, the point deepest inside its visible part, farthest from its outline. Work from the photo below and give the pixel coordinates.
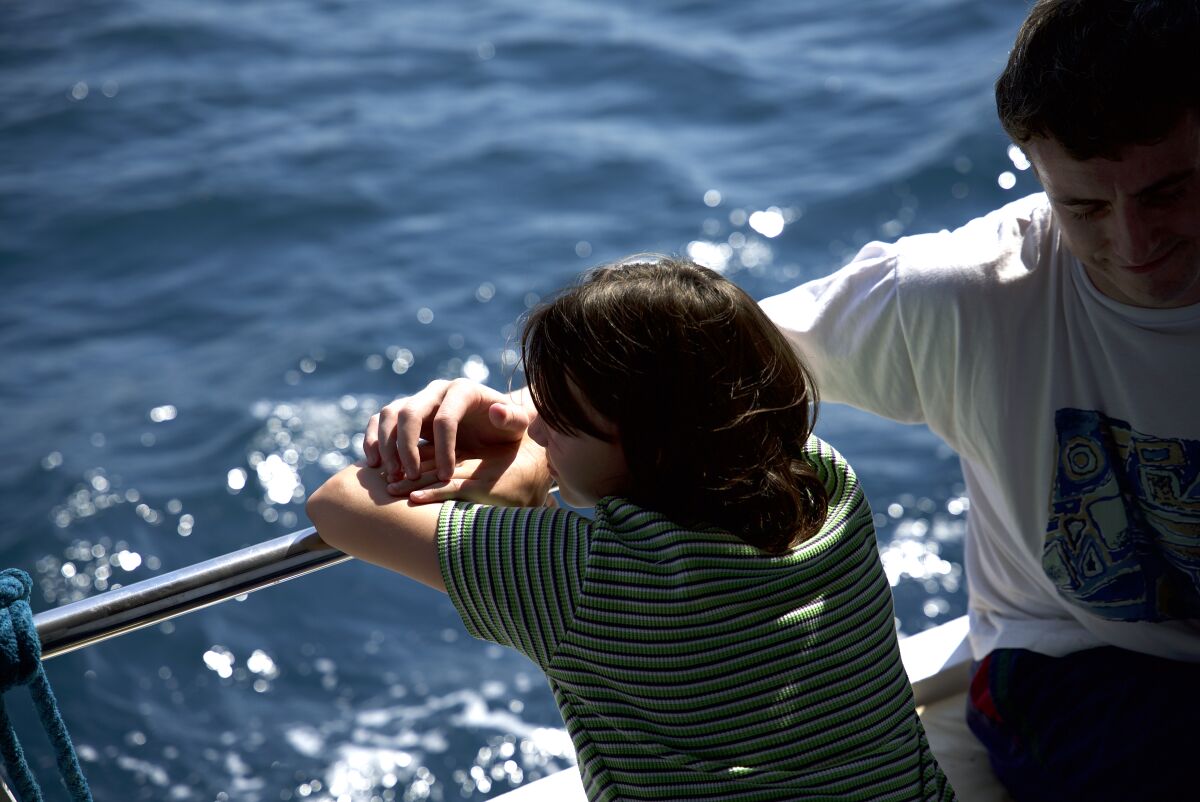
(1004, 245)
(1030, 209)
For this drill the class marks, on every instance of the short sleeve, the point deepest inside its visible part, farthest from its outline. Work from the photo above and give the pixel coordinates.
(848, 330)
(514, 573)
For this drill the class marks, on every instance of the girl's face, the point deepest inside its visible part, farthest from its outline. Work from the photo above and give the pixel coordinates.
(585, 468)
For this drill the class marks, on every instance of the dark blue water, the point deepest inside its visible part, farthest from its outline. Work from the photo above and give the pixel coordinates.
(228, 231)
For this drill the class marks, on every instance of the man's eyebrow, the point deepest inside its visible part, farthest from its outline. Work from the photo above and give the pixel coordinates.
(1163, 183)
(1157, 186)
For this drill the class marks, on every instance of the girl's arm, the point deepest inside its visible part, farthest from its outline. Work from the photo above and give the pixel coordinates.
(353, 512)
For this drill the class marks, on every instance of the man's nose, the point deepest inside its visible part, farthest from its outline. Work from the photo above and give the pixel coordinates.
(1135, 240)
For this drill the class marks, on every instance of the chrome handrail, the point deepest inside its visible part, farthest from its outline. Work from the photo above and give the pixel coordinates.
(159, 598)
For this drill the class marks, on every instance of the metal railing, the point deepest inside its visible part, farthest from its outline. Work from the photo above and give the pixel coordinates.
(159, 598)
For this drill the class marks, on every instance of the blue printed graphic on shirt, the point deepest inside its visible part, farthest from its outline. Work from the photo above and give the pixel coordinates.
(1123, 540)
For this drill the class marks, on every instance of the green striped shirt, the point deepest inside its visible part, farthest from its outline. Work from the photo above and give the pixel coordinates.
(690, 665)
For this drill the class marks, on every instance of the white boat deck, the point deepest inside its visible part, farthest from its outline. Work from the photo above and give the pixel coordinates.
(938, 664)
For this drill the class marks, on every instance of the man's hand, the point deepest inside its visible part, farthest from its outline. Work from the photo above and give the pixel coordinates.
(462, 419)
(512, 474)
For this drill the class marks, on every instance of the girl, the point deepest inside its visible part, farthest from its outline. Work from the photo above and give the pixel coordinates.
(722, 628)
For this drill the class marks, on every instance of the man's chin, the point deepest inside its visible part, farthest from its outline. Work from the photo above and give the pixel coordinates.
(1164, 284)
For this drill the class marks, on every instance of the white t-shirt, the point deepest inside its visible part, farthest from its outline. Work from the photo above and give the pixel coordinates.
(1077, 419)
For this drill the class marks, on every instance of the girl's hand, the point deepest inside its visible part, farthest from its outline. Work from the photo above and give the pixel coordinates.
(509, 474)
(461, 418)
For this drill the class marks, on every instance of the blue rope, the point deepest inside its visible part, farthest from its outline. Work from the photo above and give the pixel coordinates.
(21, 664)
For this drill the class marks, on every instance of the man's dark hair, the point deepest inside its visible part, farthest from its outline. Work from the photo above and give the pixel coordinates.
(1101, 75)
(711, 404)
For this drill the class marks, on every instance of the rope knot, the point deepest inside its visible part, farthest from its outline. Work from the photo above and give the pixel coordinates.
(20, 648)
(21, 664)
(15, 585)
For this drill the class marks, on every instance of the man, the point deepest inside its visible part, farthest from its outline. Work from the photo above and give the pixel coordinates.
(1055, 345)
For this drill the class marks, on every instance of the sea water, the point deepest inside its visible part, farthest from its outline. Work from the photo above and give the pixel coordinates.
(230, 231)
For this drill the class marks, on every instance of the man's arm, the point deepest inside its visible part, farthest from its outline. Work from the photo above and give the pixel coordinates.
(847, 329)
(354, 512)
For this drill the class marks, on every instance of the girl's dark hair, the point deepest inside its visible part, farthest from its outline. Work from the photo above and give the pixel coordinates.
(1101, 75)
(711, 404)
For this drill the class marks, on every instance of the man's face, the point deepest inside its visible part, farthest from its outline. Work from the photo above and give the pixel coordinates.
(1133, 222)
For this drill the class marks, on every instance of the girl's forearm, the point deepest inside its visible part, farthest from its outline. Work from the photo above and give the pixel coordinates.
(353, 512)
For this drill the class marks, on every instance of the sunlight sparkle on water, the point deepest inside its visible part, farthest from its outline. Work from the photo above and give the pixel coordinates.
(475, 368)
(1018, 158)
(261, 663)
(220, 660)
(769, 223)
(236, 479)
(741, 250)
(88, 566)
(388, 747)
(712, 255)
(305, 740)
(164, 413)
(913, 555)
(402, 358)
(128, 560)
(278, 479)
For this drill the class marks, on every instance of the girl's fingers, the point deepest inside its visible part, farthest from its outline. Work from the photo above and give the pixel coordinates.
(442, 491)
(510, 417)
(454, 407)
(385, 433)
(371, 442)
(412, 415)
(429, 487)
(462, 403)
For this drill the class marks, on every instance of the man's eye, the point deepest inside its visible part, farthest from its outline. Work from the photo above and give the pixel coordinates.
(1167, 196)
